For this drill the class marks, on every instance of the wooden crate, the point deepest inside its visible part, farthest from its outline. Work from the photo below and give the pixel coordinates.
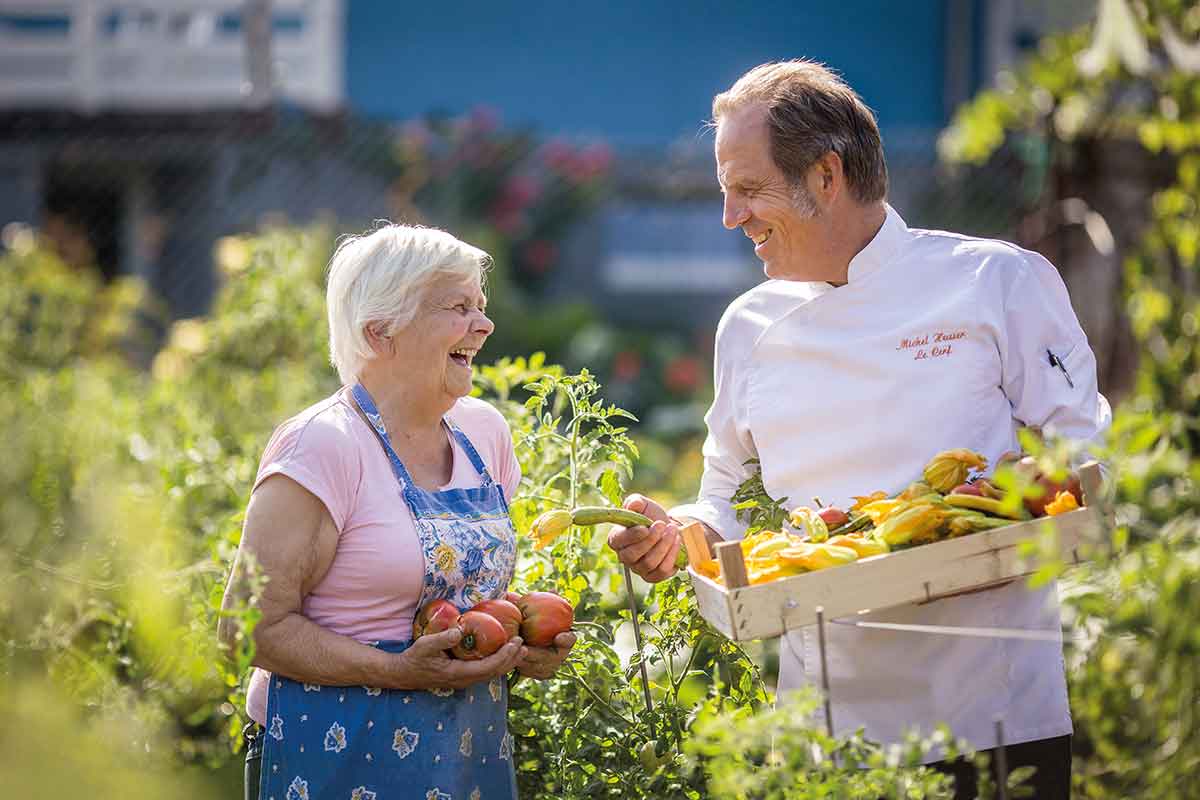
(920, 574)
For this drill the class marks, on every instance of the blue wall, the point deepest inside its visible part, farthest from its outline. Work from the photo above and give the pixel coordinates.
(634, 73)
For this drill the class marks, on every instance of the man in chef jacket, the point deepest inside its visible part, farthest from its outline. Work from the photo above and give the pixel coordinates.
(872, 347)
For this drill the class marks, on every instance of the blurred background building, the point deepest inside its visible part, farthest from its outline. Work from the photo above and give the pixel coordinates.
(135, 134)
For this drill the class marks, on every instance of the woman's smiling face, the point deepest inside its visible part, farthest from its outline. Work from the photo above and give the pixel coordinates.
(437, 349)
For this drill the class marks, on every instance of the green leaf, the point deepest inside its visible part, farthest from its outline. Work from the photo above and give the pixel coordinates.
(610, 487)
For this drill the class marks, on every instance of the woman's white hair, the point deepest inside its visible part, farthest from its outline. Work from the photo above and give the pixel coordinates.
(379, 278)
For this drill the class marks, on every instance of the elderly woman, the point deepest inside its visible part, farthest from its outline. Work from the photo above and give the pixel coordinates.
(368, 505)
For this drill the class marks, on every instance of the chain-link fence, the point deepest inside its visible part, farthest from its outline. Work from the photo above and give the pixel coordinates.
(134, 139)
(150, 194)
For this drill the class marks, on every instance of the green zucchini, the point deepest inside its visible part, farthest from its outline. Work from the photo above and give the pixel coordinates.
(598, 515)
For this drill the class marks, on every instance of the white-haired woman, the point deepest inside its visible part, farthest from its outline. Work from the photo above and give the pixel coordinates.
(369, 504)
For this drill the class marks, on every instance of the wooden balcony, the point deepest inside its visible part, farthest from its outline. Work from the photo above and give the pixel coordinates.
(166, 56)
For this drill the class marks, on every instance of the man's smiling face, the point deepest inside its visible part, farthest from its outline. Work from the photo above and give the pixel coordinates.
(777, 215)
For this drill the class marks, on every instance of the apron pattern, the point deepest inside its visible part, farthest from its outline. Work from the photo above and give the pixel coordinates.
(365, 743)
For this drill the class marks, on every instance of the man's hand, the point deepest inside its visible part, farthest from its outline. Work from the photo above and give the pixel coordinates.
(650, 552)
(543, 662)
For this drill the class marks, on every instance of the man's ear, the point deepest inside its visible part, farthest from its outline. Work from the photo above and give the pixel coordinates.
(827, 177)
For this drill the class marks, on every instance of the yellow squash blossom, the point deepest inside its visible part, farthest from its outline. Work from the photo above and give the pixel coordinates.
(1062, 503)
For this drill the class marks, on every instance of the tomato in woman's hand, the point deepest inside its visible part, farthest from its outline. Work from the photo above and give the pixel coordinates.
(505, 613)
(482, 635)
(545, 615)
(434, 617)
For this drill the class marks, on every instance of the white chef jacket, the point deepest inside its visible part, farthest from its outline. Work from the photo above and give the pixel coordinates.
(936, 341)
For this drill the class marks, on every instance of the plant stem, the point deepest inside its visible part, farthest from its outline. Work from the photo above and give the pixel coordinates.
(579, 681)
(667, 664)
(574, 452)
(688, 666)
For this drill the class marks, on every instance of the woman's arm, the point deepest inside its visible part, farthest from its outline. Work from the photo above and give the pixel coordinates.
(291, 535)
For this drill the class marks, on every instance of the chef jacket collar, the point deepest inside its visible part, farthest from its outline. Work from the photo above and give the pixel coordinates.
(881, 249)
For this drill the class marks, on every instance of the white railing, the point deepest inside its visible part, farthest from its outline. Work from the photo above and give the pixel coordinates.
(168, 55)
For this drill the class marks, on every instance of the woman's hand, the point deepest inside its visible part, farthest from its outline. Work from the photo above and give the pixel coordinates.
(427, 665)
(543, 662)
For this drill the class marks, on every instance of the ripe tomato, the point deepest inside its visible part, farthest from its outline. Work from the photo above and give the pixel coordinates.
(505, 613)
(1050, 488)
(434, 617)
(833, 517)
(545, 616)
(482, 635)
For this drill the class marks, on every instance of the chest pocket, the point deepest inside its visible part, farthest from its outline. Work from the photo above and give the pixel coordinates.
(1065, 361)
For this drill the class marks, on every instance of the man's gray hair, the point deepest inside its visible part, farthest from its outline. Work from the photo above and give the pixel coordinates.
(810, 111)
(379, 278)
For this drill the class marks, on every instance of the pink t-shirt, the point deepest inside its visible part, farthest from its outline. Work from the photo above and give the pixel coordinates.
(374, 583)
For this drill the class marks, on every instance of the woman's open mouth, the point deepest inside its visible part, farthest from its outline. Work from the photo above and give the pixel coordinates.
(463, 356)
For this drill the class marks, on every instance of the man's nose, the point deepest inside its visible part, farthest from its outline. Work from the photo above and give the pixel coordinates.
(733, 213)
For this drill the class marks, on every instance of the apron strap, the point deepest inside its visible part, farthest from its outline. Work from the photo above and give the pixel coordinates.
(472, 454)
(364, 401)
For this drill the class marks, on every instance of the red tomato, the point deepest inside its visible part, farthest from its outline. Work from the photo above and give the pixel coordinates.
(512, 597)
(482, 635)
(834, 517)
(505, 613)
(545, 616)
(434, 617)
(1050, 489)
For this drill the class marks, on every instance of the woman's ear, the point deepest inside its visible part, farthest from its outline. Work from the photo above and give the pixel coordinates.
(379, 340)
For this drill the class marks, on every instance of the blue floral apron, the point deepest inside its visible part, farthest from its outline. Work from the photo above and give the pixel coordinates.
(366, 743)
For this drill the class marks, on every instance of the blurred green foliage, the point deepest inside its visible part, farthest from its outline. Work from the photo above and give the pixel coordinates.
(1135, 662)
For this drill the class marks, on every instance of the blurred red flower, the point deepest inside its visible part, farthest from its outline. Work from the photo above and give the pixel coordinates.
(539, 255)
(627, 365)
(682, 374)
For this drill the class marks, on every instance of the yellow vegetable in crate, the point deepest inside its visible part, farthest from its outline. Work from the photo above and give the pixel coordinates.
(1061, 504)
(880, 510)
(916, 490)
(748, 542)
(961, 521)
(772, 572)
(865, 546)
(769, 546)
(862, 500)
(811, 521)
(987, 505)
(916, 524)
(817, 556)
(949, 468)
